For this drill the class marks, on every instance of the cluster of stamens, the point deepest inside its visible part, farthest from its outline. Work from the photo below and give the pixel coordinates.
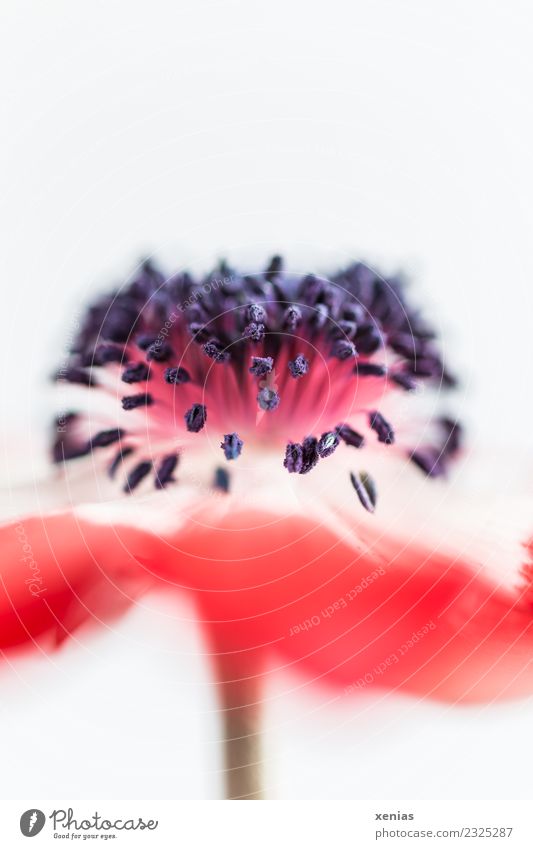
(257, 356)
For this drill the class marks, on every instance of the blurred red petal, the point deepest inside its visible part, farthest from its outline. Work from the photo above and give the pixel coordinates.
(60, 571)
(394, 615)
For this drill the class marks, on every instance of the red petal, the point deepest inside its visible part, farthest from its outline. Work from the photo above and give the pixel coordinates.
(393, 615)
(60, 571)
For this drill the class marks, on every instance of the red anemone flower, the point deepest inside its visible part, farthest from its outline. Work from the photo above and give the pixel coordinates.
(247, 440)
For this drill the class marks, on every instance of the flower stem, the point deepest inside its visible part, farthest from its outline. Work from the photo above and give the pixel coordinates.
(240, 712)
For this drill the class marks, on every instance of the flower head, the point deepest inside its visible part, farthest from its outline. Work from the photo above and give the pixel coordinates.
(236, 427)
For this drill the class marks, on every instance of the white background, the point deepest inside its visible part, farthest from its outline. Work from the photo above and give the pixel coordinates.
(398, 132)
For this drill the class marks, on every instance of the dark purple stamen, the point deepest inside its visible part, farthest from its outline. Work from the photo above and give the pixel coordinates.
(370, 370)
(261, 366)
(118, 323)
(407, 345)
(365, 489)
(137, 474)
(292, 317)
(160, 352)
(66, 446)
(404, 381)
(136, 373)
(104, 354)
(343, 330)
(301, 458)
(106, 437)
(75, 374)
(448, 380)
(299, 366)
(222, 479)
(327, 443)
(195, 418)
(275, 267)
(232, 446)
(145, 340)
(62, 450)
(430, 461)
(131, 402)
(254, 331)
(177, 375)
(368, 339)
(350, 436)
(214, 350)
(164, 473)
(343, 349)
(256, 314)
(353, 312)
(117, 460)
(268, 399)
(310, 289)
(293, 461)
(309, 455)
(425, 367)
(199, 332)
(434, 460)
(381, 426)
(453, 435)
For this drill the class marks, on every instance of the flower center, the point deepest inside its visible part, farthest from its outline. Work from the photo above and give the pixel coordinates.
(299, 363)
